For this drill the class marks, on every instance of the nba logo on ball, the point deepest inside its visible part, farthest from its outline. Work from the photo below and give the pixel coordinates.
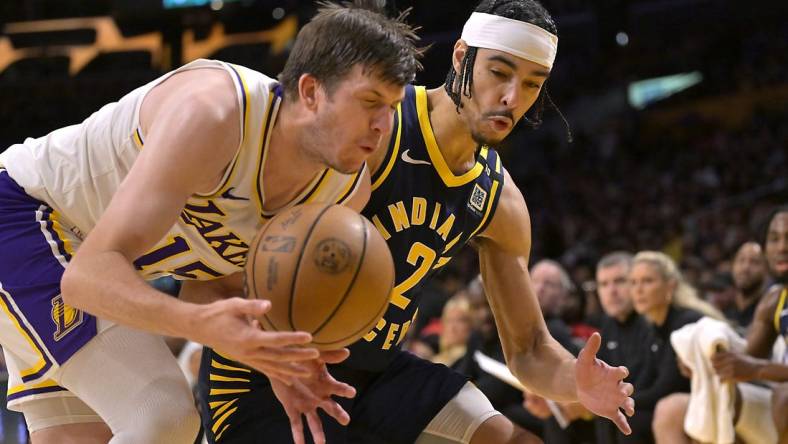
(332, 256)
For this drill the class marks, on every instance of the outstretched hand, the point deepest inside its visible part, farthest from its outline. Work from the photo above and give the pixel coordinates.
(303, 396)
(230, 327)
(600, 387)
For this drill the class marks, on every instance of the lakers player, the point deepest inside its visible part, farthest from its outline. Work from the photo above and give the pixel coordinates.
(175, 179)
(439, 185)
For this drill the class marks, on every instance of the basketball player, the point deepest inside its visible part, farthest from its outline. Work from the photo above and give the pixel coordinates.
(175, 179)
(770, 323)
(439, 185)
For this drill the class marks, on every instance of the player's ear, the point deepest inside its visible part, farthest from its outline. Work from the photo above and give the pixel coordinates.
(308, 88)
(460, 48)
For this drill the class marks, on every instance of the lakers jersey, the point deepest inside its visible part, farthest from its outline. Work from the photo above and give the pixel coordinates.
(781, 318)
(425, 213)
(77, 169)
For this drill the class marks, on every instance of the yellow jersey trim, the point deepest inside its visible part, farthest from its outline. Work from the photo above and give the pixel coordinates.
(493, 191)
(441, 262)
(23, 387)
(41, 362)
(137, 138)
(434, 151)
(780, 306)
(221, 366)
(54, 217)
(266, 136)
(394, 152)
(223, 418)
(223, 408)
(232, 167)
(214, 377)
(219, 435)
(352, 186)
(215, 392)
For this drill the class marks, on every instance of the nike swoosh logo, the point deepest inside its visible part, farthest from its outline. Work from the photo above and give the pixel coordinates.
(409, 159)
(227, 195)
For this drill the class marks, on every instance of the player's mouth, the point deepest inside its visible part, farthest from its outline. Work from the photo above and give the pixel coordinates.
(368, 149)
(500, 123)
(781, 265)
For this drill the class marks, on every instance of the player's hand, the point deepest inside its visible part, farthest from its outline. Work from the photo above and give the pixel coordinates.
(305, 395)
(536, 405)
(600, 387)
(736, 367)
(230, 327)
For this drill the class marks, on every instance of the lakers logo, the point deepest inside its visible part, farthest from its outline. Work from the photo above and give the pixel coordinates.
(66, 318)
(332, 256)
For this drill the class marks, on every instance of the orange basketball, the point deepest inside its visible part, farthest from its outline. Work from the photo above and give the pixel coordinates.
(326, 271)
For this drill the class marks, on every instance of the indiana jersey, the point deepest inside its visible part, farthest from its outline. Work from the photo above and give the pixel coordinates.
(76, 170)
(781, 318)
(425, 213)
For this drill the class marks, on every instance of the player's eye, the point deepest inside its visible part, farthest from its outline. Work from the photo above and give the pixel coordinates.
(498, 74)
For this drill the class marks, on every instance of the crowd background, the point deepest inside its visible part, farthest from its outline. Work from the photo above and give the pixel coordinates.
(692, 174)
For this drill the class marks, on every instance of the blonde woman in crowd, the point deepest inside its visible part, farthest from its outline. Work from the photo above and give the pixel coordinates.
(660, 293)
(456, 324)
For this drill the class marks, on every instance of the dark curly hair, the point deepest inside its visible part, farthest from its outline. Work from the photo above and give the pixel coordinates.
(530, 11)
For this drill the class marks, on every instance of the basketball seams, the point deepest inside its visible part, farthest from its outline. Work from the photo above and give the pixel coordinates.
(379, 315)
(298, 265)
(251, 267)
(352, 283)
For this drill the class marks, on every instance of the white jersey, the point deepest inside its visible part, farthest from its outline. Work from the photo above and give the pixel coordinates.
(77, 169)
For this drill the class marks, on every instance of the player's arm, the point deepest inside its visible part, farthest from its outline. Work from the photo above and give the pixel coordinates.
(538, 360)
(192, 132)
(762, 333)
(540, 363)
(205, 292)
(755, 363)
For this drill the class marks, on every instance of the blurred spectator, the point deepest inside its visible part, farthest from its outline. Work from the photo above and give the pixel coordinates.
(750, 275)
(455, 330)
(552, 287)
(719, 291)
(624, 334)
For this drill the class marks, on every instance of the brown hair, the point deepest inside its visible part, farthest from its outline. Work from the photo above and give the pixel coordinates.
(343, 35)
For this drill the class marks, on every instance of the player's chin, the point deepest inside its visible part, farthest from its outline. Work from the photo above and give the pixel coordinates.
(349, 166)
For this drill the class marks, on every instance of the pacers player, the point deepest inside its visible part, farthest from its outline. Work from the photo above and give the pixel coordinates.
(175, 179)
(439, 185)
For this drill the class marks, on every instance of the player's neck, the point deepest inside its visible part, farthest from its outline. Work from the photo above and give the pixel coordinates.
(454, 139)
(287, 169)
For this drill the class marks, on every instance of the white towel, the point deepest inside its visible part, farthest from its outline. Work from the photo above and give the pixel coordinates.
(711, 407)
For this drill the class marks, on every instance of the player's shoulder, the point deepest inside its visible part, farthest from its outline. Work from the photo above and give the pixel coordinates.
(769, 301)
(510, 227)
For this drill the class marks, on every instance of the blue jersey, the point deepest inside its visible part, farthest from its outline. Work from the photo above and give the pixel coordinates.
(781, 318)
(426, 214)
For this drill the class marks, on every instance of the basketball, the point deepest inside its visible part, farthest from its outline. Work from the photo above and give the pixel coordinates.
(326, 271)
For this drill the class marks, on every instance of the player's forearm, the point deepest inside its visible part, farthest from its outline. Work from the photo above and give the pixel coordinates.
(546, 368)
(205, 292)
(772, 371)
(106, 285)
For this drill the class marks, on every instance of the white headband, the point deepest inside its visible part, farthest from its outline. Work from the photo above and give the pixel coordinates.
(517, 38)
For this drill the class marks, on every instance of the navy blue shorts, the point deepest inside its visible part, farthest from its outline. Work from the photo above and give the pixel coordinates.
(393, 406)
